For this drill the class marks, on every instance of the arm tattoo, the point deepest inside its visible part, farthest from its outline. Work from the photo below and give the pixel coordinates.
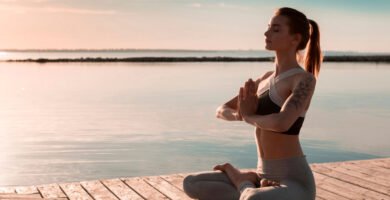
(301, 92)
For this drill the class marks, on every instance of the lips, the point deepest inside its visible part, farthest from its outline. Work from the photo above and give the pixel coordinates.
(268, 41)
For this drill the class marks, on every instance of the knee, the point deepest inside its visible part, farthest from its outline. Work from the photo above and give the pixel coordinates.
(188, 186)
(249, 194)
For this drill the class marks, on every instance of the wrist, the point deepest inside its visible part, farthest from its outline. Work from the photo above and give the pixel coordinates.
(237, 116)
(247, 118)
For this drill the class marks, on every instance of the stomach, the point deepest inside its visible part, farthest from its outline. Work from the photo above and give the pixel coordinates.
(274, 145)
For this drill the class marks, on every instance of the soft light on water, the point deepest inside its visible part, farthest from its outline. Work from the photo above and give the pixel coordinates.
(63, 122)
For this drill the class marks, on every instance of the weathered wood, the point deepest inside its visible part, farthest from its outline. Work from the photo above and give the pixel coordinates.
(350, 190)
(51, 191)
(175, 180)
(322, 183)
(139, 185)
(166, 188)
(352, 177)
(379, 179)
(121, 190)
(382, 163)
(7, 190)
(325, 194)
(74, 191)
(368, 170)
(362, 179)
(371, 168)
(26, 190)
(186, 174)
(20, 196)
(319, 198)
(97, 190)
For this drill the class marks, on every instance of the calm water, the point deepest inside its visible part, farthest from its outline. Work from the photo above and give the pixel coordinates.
(62, 122)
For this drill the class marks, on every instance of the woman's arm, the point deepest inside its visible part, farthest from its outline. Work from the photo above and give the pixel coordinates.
(292, 108)
(230, 110)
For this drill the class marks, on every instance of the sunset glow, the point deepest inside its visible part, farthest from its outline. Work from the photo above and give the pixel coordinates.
(173, 24)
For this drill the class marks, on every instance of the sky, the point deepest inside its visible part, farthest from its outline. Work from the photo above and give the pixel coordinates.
(345, 25)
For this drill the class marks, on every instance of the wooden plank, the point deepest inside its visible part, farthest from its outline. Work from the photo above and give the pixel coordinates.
(144, 189)
(20, 196)
(341, 174)
(97, 190)
(357, 172)
(385, 162)
(186, 174)
(51, 191)
(319, 198)
(166, 188)
(121, 190)
(380, 163)
(26, 190)
(381, 159)
(174, 179)
(355, 191)
(371, 169)
(322, 183)
(7, 190)
(74, 191)
(361, 179)
(320, 186)
(325, 194)
(368, 169)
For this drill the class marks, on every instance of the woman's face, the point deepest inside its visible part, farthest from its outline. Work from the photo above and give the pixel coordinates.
(277, 36)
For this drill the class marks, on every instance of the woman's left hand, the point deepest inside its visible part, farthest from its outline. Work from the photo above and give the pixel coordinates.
(247, 99)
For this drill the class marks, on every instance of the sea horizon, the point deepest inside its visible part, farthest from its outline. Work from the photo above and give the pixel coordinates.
(50, 54)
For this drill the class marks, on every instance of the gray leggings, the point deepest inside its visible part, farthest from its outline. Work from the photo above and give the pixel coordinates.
(294, 174)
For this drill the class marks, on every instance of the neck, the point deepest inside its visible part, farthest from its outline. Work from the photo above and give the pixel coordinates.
(285, 60)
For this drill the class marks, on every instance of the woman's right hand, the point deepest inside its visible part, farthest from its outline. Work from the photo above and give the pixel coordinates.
(247, 99)
(238, 113)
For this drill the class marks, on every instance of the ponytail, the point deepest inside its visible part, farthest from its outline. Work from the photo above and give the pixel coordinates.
(313, 56)
(299, 23)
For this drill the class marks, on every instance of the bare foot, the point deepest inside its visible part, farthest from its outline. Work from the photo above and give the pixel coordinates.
(236, 176)
(265, 182)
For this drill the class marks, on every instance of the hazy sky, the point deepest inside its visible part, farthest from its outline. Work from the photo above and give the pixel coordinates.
(354, 25)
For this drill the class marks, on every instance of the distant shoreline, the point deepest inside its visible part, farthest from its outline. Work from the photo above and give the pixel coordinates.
(369, 58)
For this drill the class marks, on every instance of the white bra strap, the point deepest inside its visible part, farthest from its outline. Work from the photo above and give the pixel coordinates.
(287, 73)
(273, 94)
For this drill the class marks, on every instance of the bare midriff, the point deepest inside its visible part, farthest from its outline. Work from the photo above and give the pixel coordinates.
(273, 145)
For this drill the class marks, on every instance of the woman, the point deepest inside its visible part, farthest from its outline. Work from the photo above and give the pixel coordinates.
(275, 104)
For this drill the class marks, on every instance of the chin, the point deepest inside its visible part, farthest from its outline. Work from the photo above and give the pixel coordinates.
(268, 48)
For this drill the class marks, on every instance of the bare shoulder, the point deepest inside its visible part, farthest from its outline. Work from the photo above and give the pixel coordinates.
(305, 81)
(307, 77)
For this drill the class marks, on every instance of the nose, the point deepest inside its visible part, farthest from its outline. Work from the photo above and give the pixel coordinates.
(266, 33)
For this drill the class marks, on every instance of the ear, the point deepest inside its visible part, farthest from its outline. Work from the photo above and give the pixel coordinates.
(297, 39)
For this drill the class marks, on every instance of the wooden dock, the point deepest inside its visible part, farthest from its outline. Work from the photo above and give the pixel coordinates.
(361, 179)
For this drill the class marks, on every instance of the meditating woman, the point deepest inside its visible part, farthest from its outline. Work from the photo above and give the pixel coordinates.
(275, 104)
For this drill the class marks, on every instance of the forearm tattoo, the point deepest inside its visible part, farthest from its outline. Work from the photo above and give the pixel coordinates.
(301, 92)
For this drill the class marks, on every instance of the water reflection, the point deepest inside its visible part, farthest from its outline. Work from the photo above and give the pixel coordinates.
(70, 122)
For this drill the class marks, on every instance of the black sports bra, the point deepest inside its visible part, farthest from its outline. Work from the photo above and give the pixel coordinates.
(270, 102)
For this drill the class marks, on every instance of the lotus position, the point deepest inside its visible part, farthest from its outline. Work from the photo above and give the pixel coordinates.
(275, 104)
